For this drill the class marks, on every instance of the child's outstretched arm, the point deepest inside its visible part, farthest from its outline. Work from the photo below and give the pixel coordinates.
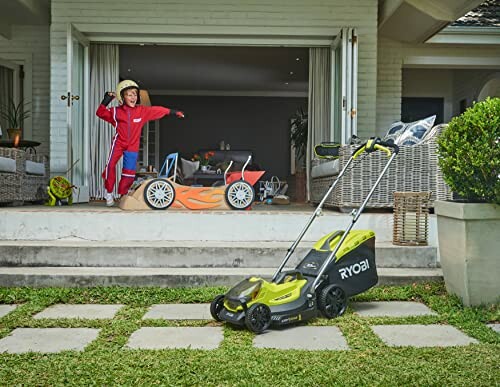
(157, 112)
(103, 112)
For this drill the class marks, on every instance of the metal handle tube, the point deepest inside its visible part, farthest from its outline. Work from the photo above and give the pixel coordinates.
(316, 213)
(354, 220)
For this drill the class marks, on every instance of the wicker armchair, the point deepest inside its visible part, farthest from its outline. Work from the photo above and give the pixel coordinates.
(10, 182)
(34, 186)
(415, 169)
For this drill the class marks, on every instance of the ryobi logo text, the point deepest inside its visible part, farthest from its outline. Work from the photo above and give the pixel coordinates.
(354, 269)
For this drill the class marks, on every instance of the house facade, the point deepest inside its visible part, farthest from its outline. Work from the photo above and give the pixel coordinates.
(394, 52)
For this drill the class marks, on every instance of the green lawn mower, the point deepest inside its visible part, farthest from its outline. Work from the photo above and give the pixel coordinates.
(340, 265)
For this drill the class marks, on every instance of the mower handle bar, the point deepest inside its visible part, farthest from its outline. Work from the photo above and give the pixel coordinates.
(374, 144)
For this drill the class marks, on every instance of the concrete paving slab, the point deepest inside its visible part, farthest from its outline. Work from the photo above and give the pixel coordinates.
(176, 337)
(391, 309)
(47, 340)
(179, 312)
(302, 337)
(495, 327)
(6, 309)
(83, 311)
(422, 335)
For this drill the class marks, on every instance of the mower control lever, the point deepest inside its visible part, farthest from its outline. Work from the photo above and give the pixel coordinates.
(374, 144)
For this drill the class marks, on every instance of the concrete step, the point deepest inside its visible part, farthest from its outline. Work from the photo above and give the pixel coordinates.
(187, 254)
(170, 277)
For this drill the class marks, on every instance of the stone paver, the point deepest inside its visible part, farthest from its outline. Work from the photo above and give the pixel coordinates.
(47, 340)
(391, 309)
(422, 335)
(179, 312)
(6, 309)
(495, 327)
(302, 337)
(83, 311)
(170, 337)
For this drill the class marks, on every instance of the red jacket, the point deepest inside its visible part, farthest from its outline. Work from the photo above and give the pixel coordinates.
(128, 122)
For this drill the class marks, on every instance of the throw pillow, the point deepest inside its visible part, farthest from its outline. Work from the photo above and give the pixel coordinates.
(415, 131)
(396, 129)
(189, 168)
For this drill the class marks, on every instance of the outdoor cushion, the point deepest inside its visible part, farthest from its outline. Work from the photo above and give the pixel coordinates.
(395, 131)
(329, 168)
(7, 165)
(33, 168)
(189, 167)
(415, 131)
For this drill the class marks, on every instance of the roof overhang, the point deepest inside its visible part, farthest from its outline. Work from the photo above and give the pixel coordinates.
(415, 21)
(467, 35)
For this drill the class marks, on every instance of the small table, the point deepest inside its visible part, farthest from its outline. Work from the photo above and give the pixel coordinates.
(26, 144)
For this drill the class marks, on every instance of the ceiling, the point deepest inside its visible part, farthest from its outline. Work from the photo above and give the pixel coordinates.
(199, 69)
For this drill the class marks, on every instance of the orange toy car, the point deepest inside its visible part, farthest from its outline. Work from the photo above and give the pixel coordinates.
(164, 192)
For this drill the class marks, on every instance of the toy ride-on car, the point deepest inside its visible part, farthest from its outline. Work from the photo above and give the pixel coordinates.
(236, 191)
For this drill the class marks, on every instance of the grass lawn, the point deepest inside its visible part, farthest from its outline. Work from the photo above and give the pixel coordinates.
(236, 362)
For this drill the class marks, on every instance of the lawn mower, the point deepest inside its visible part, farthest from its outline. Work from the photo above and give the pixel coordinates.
(340, 265)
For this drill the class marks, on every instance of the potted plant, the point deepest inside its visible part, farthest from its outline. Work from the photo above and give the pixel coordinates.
(204, 160)
(468, 227)
(14, 115)
(298, 139)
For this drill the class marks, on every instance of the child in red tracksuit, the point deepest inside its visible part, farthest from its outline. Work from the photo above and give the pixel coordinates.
(128, 120)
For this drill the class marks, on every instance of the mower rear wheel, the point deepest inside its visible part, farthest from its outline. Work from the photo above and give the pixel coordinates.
(216, 306)
(258, 318)
(332, 301)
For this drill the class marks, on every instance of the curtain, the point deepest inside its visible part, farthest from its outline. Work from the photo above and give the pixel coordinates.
(319, 103)
(6, 94)
(104, 76)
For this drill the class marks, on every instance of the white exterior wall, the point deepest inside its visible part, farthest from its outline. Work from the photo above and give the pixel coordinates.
(30, 44)
(467, 84)
(278, 17)
(394, 56)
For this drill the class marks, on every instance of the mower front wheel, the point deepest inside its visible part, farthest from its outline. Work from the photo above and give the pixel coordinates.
(216, 306)
(258, 318)
(332, 301)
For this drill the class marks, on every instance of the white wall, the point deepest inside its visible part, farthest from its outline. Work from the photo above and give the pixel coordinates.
(294, 18)
(467, 84)
(30, 45)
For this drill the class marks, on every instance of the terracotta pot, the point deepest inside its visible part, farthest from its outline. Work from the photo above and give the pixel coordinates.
(13, 133)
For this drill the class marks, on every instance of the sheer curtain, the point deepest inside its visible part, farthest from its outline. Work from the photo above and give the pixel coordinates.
(104, 76)
(319, 103)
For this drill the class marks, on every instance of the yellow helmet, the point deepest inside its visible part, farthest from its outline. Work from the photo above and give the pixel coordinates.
(125, 85)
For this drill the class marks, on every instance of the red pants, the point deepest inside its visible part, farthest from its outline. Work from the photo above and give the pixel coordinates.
(128, 171)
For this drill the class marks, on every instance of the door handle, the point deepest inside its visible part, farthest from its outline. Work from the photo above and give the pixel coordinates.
(70, 98)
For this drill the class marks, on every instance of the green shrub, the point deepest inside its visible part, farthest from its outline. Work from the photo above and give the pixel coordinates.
(469, 152)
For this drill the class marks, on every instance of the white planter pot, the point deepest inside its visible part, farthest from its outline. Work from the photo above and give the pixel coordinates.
(469, 248)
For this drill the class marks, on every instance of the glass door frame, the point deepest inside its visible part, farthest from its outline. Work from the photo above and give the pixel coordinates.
(73, 34)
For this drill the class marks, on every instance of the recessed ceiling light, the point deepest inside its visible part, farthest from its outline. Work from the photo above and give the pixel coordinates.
(141, 44)
(286, 83)
(129, 70)
(291, 72)
(297, 58)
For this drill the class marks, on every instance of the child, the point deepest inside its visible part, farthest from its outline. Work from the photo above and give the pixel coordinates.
(128, 120)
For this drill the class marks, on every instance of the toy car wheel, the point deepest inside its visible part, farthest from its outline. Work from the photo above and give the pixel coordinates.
(258, 318)
(216, 306)
(332, 301)
(159, 194)
(240, 195)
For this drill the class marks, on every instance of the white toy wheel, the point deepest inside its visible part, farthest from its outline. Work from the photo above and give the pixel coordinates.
(240, 195)
(159, 194)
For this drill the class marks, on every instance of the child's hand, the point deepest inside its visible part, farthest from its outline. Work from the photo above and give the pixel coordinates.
(179, 114)
(108, 97)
